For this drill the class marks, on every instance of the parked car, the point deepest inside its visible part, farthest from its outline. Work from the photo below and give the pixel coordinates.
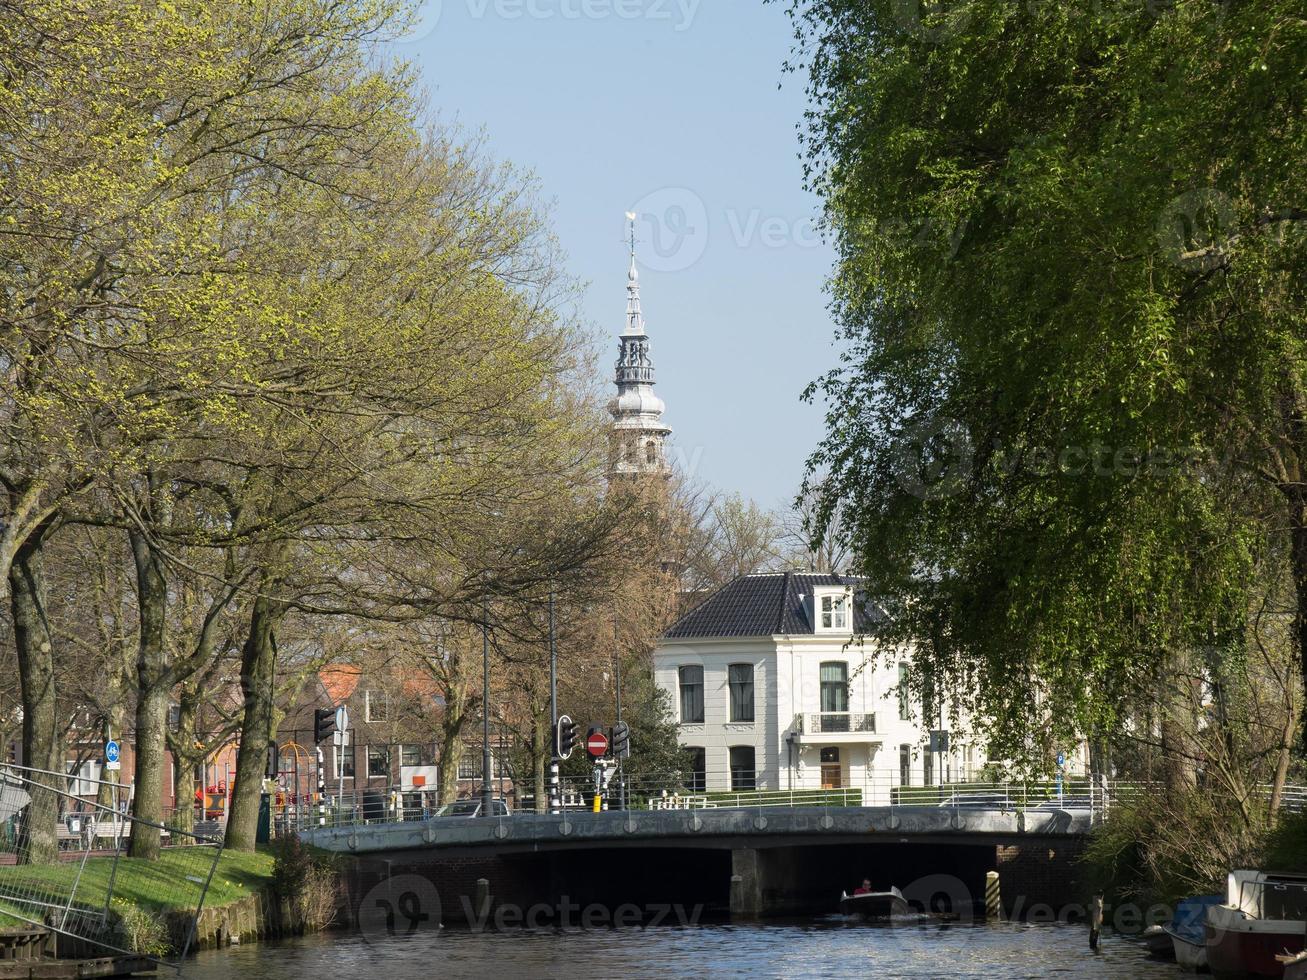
(472, 808)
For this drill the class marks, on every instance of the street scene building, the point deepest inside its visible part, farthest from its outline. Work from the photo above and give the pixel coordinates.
(774, 689)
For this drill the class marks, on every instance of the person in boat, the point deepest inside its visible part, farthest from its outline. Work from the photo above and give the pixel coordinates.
(864, 888)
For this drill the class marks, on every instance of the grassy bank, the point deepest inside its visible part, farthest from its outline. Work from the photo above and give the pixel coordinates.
(172, 883)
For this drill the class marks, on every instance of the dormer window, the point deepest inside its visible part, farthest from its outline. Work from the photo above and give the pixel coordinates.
(834, 612)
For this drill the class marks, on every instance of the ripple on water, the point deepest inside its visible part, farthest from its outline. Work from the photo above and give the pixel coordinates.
(819, 948)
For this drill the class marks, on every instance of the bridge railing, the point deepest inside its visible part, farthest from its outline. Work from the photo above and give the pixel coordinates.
(712, 791)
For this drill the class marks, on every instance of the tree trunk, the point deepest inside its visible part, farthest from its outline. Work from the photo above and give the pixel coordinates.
(152, 687)
(540, 760)
(258, 679)
(451, 750)
(1298, 534)
(38, 842)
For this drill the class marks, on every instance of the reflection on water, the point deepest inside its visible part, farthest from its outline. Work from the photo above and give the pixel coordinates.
(827, 948)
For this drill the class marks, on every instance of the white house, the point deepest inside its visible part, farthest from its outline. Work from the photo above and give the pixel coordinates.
(773, 691)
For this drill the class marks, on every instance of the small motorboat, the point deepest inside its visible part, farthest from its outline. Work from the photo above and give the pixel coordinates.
(1295, 965)
(874, 905)
(1187, 931)
(1262, 922)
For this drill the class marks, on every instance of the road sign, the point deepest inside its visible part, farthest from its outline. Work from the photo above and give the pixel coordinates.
(342, 718)
(112, 756)
(596, 743)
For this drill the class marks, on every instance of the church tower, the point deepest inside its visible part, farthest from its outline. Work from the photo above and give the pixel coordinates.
(638, 441)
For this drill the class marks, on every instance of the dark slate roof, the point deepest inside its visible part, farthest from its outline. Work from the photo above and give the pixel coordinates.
(766, 605)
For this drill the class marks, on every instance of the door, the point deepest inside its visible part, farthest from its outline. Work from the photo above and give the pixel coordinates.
(830, 776)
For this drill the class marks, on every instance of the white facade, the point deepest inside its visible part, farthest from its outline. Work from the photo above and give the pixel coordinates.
(827, 709)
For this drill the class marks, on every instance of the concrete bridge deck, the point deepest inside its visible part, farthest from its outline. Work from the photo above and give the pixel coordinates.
(716, 828)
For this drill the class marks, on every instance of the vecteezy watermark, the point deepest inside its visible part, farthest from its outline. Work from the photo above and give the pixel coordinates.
(679, 14)
(399, 905)
(1194, 230)
(407, 904)
(567, 914)
(933, 457)
(673, 224)
(676, 226)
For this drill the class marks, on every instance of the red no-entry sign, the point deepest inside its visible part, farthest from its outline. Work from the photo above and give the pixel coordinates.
(596, 743)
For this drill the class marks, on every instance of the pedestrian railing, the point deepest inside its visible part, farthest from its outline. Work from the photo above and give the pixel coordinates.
(1094, 795)
(62, 868)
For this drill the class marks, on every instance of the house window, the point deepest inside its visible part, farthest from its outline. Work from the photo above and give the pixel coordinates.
(347, 761)
(376, 706)
(905, 765)
(835, 696)
(697, 781)
(691, 677)
(469, 765)
(378, 761)
(743, 774)
(835, 612)
(740, 677)
(416, 755)
(651, 452)
(905, 708)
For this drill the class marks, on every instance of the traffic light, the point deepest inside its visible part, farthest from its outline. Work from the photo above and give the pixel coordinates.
(565, 737)
(324, 723)
(273, 754)
(621, 740)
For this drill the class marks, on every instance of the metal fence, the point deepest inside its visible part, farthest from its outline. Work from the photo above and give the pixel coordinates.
(64, 868)
(1096, 795)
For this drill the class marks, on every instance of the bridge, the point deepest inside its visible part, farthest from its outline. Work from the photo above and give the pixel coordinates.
(741, 861)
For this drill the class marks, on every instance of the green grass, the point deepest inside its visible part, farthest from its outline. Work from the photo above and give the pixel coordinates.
(173, 882)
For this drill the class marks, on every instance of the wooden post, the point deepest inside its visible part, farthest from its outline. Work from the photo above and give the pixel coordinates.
(1095, 921)
(993, 901)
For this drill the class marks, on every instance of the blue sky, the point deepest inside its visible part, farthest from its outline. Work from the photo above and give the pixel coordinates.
(670, 108)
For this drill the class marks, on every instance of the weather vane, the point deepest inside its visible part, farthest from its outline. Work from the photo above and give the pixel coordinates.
(630, 217)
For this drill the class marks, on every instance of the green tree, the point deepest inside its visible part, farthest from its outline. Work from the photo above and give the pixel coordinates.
(1068, 428)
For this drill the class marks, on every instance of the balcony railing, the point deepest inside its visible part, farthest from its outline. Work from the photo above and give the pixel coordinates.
(832, 722)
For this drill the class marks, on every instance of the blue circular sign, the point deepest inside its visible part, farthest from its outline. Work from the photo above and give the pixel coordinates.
(111, 751)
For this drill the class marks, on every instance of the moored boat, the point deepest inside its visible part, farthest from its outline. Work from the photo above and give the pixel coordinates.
(1158, 942)
(1187, 931)
(1295, 967)
(874, 905)
(1261, 923)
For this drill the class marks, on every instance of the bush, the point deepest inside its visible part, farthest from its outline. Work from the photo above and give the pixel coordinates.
(140, 929)
(1163, 848)
(309, 884)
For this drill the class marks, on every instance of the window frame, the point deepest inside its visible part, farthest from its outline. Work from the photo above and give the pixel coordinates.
(738, 711)
(681, 686)
(381, 752)
(741, 783)
(833, 612)
(698, 778)
(380, 698)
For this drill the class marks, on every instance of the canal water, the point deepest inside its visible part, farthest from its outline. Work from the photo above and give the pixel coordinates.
(823, 948)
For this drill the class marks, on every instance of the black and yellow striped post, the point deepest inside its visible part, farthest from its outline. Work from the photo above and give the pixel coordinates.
(993, 900)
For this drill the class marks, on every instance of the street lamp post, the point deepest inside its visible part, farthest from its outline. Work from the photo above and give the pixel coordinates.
(555, 802)
(486, 796)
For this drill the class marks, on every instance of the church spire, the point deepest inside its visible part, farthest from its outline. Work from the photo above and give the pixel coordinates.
(634, 315)
(638, 435)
